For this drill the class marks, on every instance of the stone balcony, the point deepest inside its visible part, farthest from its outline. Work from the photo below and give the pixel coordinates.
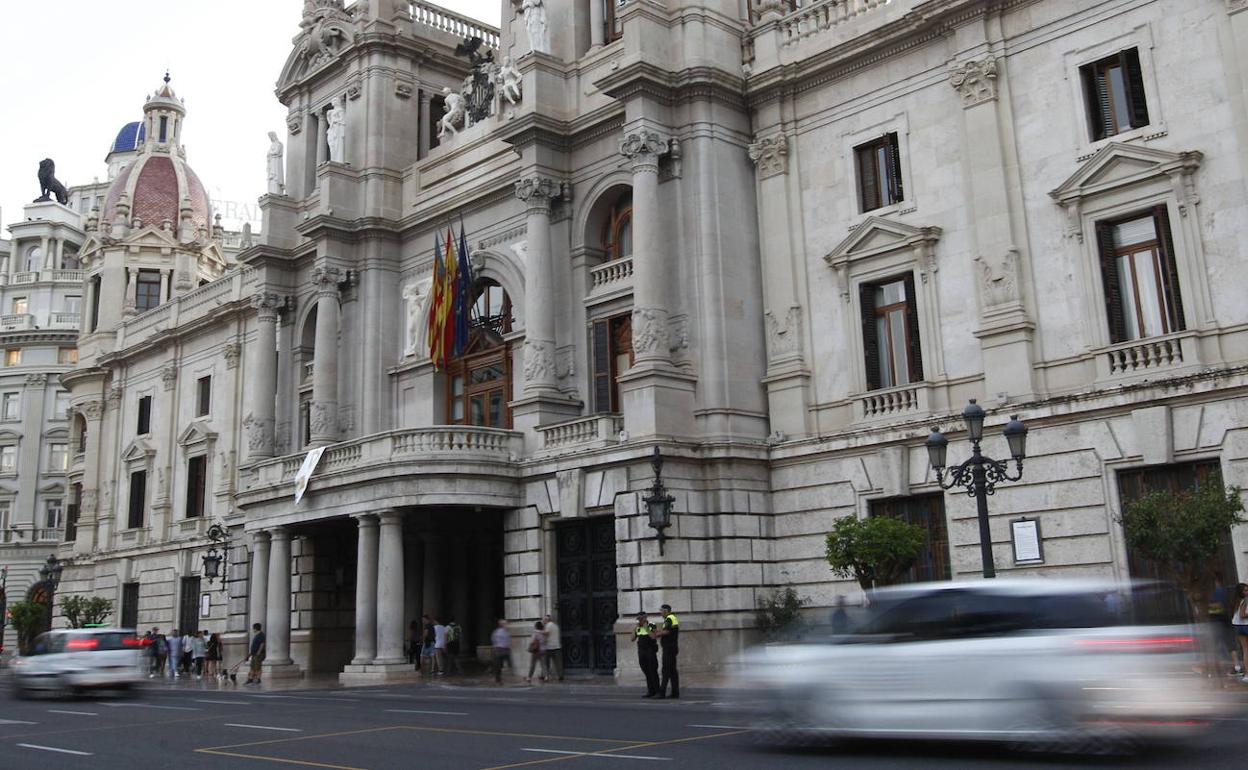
(232, 288)
(844, 27)
(61, 320)
(443, 465)
(610, 279)
(1151, 358)
(596, 431)
(901, 402)
(17, 322)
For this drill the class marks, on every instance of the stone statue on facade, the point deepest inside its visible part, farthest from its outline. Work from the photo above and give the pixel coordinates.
(478, 90)
(276, 166)
(336, 130)
(417, 296)
(48, 184)
(535, 25)
(454, 114)
(507, 80)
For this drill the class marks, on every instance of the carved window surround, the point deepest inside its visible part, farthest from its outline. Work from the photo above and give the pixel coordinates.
(876, 249)
(1118, 181)
(900, 125)
(1141, 38)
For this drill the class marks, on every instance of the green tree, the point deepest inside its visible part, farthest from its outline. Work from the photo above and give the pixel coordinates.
(1182, 532)
(82, 611)
(875, 551)
(780, 615)
(27, 619)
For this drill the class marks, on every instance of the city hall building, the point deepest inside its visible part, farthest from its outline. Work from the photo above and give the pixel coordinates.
(776, 243)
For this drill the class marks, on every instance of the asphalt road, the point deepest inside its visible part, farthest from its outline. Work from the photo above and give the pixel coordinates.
(198, 725)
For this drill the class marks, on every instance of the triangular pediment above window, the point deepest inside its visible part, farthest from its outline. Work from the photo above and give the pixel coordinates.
(139, 450)
(194, 434)
(877, 235)
(152, 236)
(1121, 165)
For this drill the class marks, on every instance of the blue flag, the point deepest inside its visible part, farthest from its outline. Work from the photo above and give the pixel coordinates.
(463, 295)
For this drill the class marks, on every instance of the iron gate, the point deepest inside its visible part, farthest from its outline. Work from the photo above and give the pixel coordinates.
(585, 556)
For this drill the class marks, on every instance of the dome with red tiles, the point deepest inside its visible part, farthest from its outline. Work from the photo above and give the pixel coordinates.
(159, 186)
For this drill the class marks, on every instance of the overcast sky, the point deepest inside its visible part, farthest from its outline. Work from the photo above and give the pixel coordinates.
(75, 71)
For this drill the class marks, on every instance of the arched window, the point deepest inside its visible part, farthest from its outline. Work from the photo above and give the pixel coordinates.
(617, 230)
(34, 259)
(480, 380)
(305, 364)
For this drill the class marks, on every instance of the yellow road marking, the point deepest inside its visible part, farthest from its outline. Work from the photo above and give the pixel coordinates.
(630, 747)
(276, 759)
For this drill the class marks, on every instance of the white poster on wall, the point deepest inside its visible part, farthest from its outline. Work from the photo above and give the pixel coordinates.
(305, 472)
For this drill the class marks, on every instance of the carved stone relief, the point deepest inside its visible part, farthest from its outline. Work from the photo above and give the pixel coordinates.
(998, 278)
(323, 419)
(231, 351)
(169, 375)
(975, 80)
(539, 361)
(650, 332)
(770, 155)
(783, 333)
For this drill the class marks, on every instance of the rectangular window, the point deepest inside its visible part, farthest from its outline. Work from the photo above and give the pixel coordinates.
(10, 405)
(67, 355)
(145, 416)
(129, 605)
(60, 407)
(879, 173)
(164, 129)
(71, 304)
(71, 513)
(20, 305)
(928, 512)
(890, 333)
(1114, 90)
(612, 356)
(138, 499)
(196, 478)
(8, 459)
(54, 514)
(1140, 277)
(188, 605)
(58, 458)
(147, 290)
(203, 396)
(6, 516)
(437, 108)
(13, 357)
(95, 302)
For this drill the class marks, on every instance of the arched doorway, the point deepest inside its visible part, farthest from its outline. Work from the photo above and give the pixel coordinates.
(479, 381)
(303, 381)
(42, 593)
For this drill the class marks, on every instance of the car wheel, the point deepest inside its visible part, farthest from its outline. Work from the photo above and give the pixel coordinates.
(63, 688)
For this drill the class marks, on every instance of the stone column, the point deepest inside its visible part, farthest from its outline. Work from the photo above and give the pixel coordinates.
(486, 571)
(650, 312)
(390, 589)
(258, 595)
(597, 23)
(47, 247)
(324, 416)
(262, 377)
(537, 192)
(132, 288)
(422, 130)
(366, 585)
(461, 599)
(277, 625)
(164, 284)
(85, 541)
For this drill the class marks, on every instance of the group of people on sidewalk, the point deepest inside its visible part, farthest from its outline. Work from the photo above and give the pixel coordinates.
(650, 638)
(182, 654)
(545, 648)
(434, 647)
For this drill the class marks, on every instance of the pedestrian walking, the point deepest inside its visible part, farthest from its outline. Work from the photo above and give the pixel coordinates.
(453, 636)
(255, 654)
(439, 647)
(214, 656)
(1239, 619)
(554, 649)
(500, 640)
(160, 653)
(188, 647)
(537, 651)
(427, 638)
(413, 642)
(647, 653)
(173, 654)
(199, 651)
(669, 641)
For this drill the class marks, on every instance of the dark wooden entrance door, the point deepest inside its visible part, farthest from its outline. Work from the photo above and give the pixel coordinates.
(585, 555)
(188, 606)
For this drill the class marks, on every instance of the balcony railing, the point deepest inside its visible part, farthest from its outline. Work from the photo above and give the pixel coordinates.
(65, 320)
(822, 16)
(592, 432)
(67, 276)
(611, 275)
(1153, 354)
(20, 278)
(234, 286)
(14, 322)
(901, 401)
(435, 17)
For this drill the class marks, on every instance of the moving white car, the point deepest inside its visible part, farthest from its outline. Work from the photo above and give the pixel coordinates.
(68, 662)
(1056, 664)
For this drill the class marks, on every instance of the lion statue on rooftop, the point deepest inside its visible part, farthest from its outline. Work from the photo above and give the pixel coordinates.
(48, 184)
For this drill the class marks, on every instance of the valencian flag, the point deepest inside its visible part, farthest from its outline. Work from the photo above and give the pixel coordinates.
(436, 353)
(450, 284)
(463, 296)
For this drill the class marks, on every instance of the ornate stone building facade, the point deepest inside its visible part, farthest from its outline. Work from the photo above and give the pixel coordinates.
(777, 245)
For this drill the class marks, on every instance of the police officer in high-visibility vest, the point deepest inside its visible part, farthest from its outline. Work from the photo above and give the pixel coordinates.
(647, 653)
(669, 639)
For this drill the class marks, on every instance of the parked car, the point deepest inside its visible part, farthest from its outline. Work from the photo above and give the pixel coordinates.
(1048, 663)
(67, 662)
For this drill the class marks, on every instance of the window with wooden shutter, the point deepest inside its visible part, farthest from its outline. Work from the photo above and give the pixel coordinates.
(913, 349)
(878, 164)
(602, 366)
(1140, 276)
(890, 332)
(1110, 283)
(612, 356)
(870, 345)
(196, 479)
(1114, 91)
(1170, 269)
(138, 499)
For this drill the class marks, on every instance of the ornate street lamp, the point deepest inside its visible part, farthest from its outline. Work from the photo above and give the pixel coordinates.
(659, 502)
(214, 561)
(979, 474)
(51, 571)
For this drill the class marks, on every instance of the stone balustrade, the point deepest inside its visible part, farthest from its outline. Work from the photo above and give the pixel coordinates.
(235, 286)
(20, 278)
(68, 276)
(16, 322)
(592, 432)
(611, 275)
(901, 401)
(60, 320)
(823, 16)
(1151, 354)
(435, 17)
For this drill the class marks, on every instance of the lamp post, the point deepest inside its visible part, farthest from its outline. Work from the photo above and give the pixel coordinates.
(51, 571)
(659, 502)
(979, 474)
(214, 561)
